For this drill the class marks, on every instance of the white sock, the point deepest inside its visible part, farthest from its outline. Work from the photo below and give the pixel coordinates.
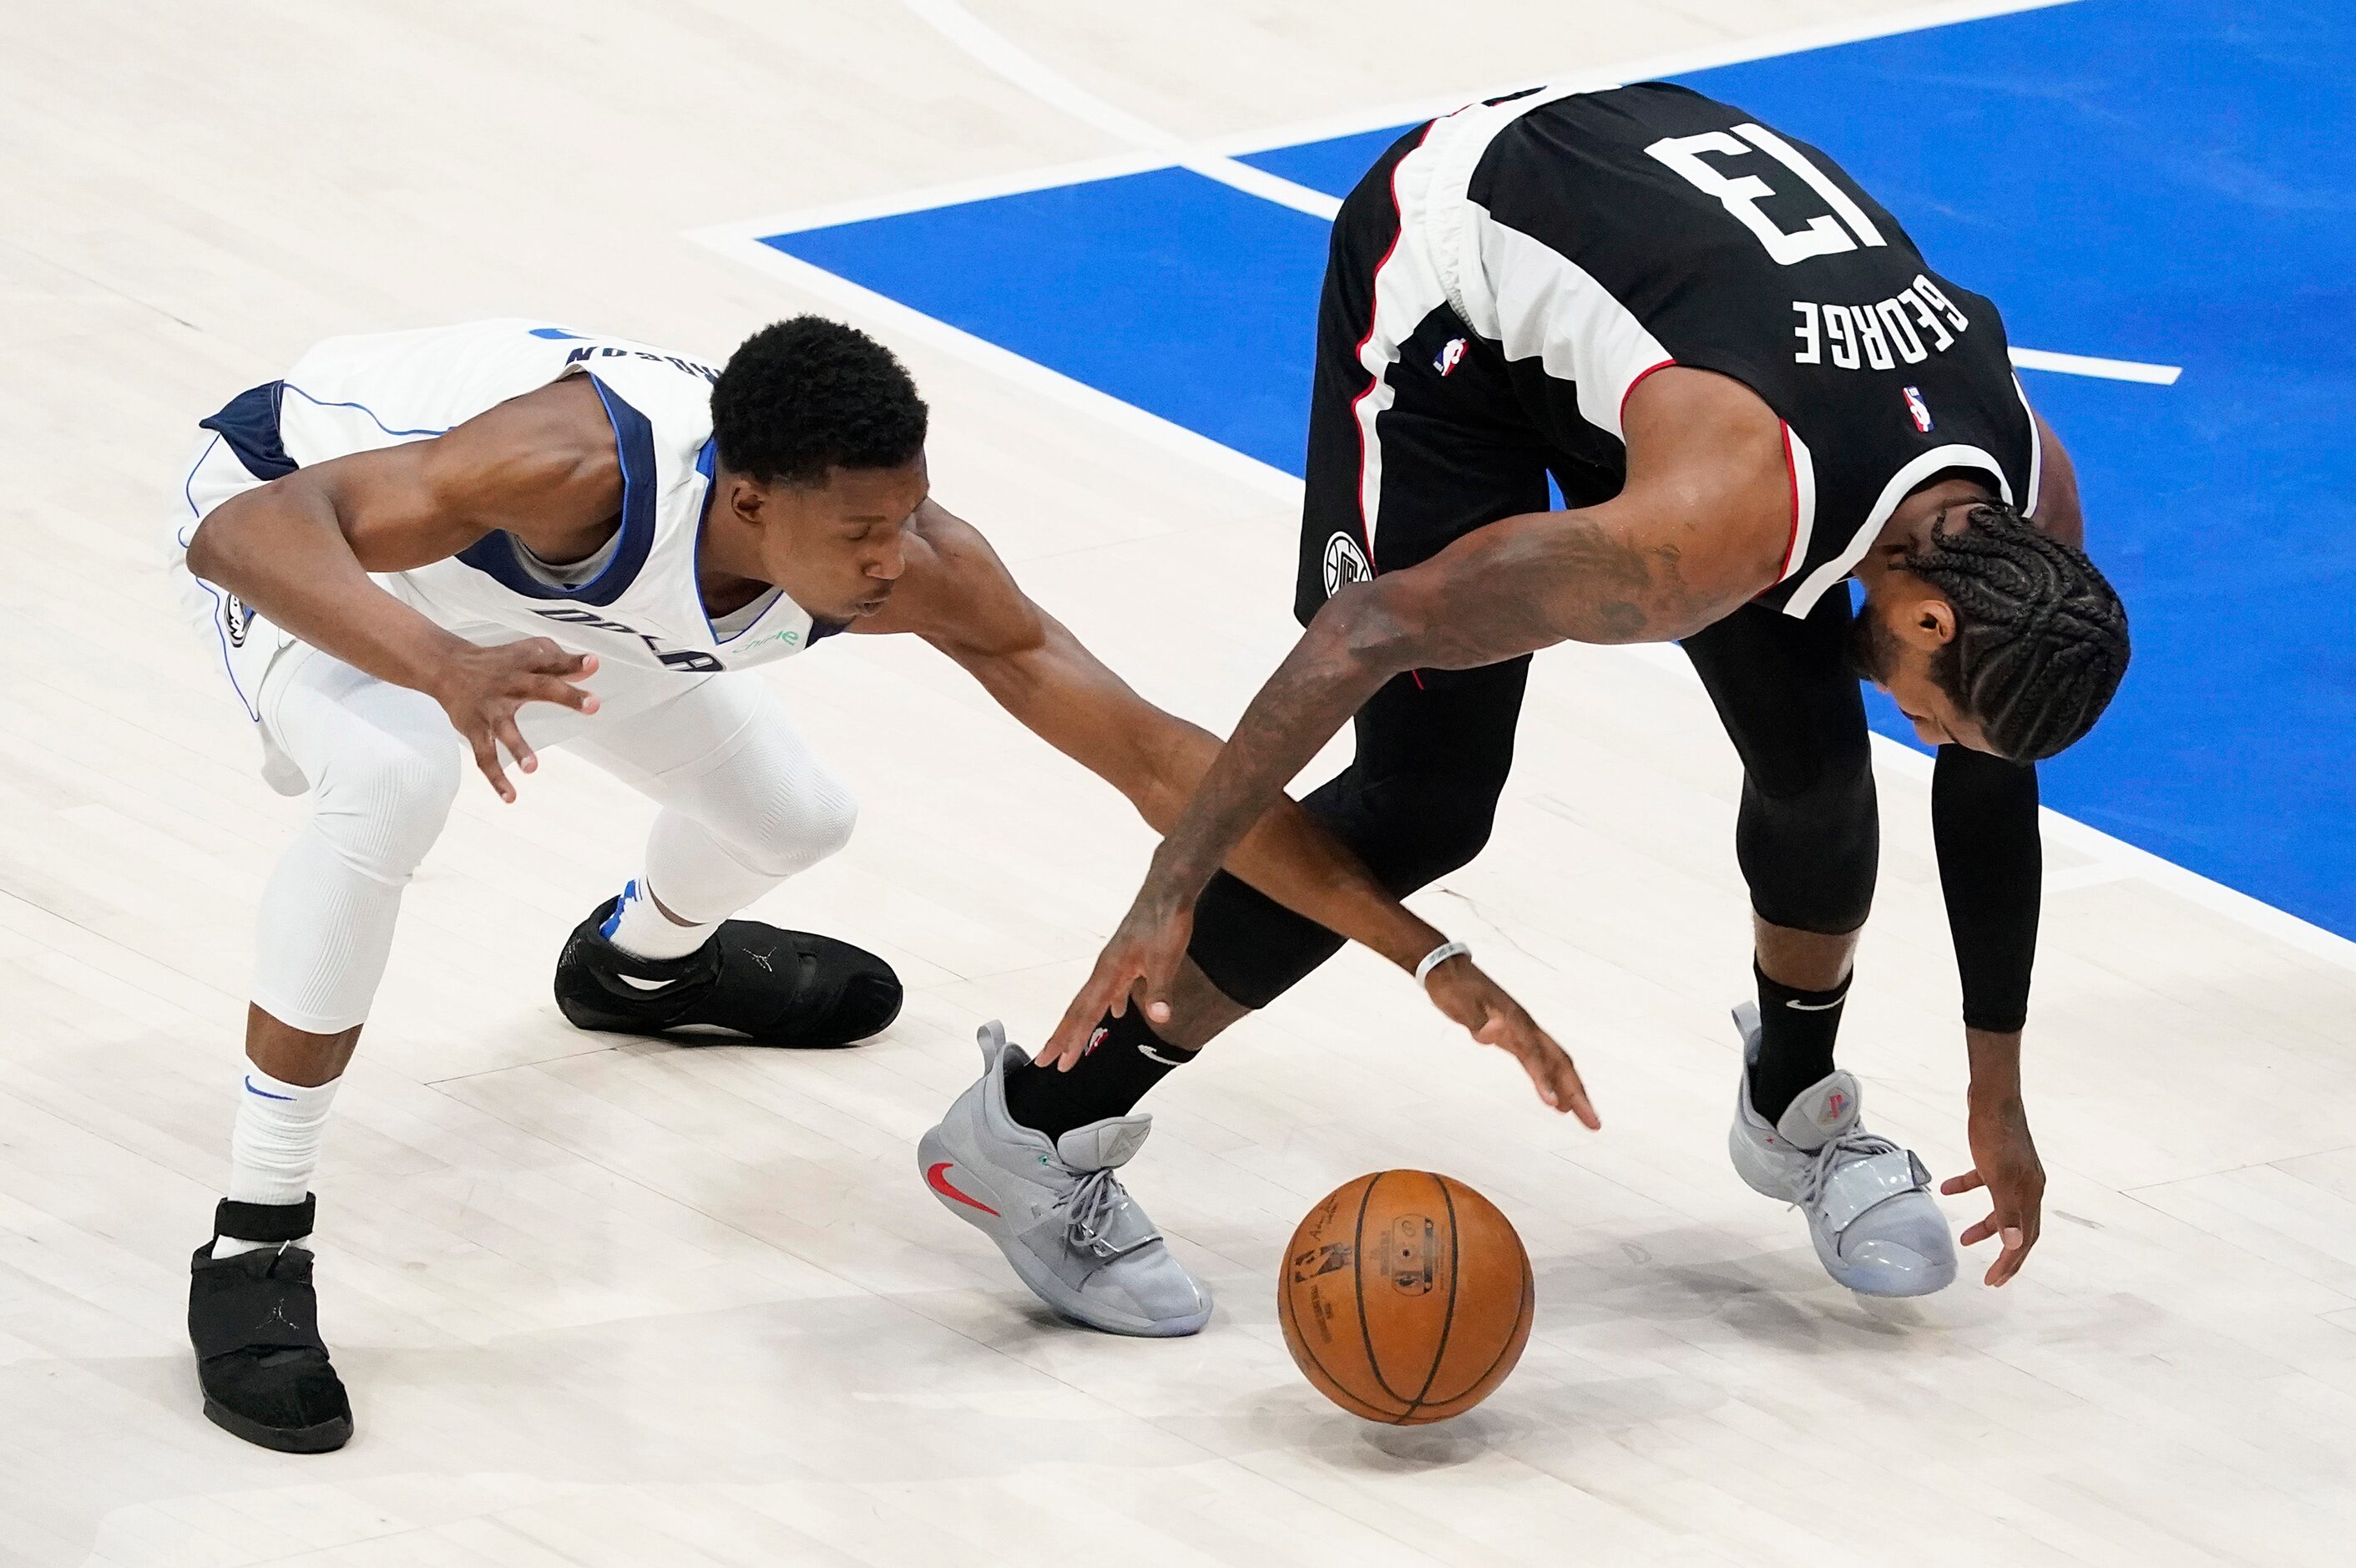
(275, 1146)
(638, 926)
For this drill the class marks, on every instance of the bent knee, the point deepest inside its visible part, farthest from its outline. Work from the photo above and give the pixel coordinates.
(797, 833)
(382, 805)
(1412, 830)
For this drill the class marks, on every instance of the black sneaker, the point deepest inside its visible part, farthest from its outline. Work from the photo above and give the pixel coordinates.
(772, 987)
(254, 1321)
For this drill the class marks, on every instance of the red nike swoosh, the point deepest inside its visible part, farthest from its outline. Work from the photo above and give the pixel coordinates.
(940, 1184)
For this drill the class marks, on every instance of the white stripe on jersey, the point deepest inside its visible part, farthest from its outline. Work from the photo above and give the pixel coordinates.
(1406, 290)
(1901, 485)
(1546, 307)
(1803, 500)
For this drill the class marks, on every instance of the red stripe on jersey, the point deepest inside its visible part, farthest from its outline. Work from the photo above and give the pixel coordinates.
(1664, 365)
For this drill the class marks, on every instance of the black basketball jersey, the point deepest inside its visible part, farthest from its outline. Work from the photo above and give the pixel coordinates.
(1595, 237)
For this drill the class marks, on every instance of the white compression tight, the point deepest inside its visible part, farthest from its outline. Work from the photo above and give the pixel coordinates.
(746, 804)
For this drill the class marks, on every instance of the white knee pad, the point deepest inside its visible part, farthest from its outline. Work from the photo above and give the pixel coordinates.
(746, 802)
(382, 802)
(791, 825)
(384, 767)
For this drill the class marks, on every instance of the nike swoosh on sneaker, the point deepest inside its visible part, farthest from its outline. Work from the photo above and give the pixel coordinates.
(940, 1183)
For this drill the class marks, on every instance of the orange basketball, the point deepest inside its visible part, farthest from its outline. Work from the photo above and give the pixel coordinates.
(1405, 1297)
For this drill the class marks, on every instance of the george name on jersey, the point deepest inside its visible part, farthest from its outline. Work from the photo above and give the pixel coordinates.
(1909, 327)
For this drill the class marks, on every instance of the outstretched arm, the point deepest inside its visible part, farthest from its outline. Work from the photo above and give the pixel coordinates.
(1701, 527)
(1991, 870)
(958, 596)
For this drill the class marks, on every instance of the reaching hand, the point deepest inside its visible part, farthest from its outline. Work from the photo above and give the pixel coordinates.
(481, 688)
(1460, 990)
(1140, 961)
(2004, 1161)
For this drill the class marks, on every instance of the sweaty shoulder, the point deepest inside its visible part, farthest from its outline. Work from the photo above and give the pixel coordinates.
(1707, 455)
(541, 466)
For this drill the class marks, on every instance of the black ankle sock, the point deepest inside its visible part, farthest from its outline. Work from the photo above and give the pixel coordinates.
(1795, 1045)
(1127, 1059)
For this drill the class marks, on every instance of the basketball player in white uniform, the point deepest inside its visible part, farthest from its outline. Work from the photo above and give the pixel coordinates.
(497, 538)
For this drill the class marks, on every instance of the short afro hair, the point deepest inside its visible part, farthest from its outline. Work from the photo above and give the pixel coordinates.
(2041, 641)
(804, 397)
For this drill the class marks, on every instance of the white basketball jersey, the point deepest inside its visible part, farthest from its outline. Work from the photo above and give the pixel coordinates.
(637, 600)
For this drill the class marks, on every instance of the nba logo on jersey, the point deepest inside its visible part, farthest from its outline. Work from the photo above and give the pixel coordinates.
(1449, 356)
(1919, 409)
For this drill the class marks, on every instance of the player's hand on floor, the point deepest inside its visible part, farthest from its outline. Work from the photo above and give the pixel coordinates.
(1460, 990)
(1135, 969)
(2005, 1162)
(482, 687)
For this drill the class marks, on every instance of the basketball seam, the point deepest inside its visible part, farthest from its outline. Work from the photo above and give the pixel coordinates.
(1359, 1283)
(1448, 1321)
(1286, 1315)
(1529, 1298)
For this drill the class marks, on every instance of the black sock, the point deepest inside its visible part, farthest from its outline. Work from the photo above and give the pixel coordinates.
(1126, 1060)
(1795, 1043)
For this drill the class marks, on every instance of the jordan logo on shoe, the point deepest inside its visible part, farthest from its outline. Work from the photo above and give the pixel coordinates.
(1834, 1103)
(937, 1177)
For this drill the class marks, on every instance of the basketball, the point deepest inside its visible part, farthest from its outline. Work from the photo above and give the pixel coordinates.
(1405, 1297)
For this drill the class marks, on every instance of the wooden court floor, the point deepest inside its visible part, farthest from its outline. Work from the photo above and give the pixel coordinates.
(632, 1304)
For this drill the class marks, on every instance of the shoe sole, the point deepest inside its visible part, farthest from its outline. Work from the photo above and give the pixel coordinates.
(595, 1022)
(324, 1438)
(932, 1149)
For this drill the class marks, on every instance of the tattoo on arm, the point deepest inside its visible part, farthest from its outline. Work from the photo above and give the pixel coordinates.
(1510, 590)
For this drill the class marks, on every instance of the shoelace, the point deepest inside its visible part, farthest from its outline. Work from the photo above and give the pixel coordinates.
(1855, 1144)
(1091, 1201)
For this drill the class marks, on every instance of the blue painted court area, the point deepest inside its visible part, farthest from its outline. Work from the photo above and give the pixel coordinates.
(2162, 180)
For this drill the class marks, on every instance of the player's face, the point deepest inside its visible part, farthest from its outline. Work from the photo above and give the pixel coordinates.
(1892, 643)
(837, 548)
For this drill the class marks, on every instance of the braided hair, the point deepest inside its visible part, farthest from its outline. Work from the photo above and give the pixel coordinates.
(2040, 639)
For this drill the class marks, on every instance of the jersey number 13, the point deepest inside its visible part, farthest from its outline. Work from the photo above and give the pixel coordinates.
(1844, 229)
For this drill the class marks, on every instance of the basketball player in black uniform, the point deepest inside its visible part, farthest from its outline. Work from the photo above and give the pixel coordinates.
(1749, 387)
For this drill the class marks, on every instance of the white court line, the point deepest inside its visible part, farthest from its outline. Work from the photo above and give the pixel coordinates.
(896, 319)
(2112, 858)
(1050, 86)
(2091, 365)
(1674, 62)
(1154, 148)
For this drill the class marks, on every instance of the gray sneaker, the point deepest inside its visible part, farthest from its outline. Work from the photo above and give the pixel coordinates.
(1055, 1209)
(1870, 1213)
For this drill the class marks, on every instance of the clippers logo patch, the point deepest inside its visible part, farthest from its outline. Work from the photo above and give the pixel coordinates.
(1919, 409)
(1449, 357)
(1345, 563)
(1834, 1103)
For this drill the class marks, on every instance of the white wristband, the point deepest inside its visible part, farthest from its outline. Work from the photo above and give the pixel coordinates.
(1439, 956)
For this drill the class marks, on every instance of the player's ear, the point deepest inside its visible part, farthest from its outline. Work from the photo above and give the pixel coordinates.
(1929, 622)
(747, 501)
